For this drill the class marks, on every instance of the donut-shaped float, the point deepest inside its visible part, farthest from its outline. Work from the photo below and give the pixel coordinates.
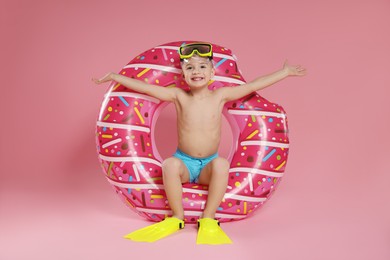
(132, 164)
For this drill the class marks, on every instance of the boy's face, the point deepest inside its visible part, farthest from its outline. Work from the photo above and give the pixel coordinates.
(197, 71)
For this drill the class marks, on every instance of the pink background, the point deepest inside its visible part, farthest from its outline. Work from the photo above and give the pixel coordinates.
(333, 202)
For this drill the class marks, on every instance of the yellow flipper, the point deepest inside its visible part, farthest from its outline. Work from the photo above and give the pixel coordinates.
(211, 233)
(156, 231)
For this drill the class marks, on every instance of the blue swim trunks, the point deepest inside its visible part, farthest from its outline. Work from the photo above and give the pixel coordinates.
(194, 165)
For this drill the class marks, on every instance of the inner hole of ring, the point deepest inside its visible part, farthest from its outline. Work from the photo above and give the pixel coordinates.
(165, 134)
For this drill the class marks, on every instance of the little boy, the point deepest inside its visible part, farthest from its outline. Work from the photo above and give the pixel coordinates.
(199, 115)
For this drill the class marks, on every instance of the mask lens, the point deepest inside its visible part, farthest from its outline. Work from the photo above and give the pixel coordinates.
(203, 49)
(187, 50)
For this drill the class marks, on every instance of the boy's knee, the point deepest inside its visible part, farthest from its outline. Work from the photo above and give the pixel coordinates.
(171, 164)
(221, 163)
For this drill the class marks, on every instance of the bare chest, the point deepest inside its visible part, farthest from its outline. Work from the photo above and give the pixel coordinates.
(198, 112)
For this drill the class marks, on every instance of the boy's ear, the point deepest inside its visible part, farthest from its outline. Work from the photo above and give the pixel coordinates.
(213, 72)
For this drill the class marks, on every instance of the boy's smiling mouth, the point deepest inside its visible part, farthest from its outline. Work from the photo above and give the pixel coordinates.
(197, 78)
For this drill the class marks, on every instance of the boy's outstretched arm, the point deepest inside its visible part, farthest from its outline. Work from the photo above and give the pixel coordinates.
(162, 93)
(233, 93)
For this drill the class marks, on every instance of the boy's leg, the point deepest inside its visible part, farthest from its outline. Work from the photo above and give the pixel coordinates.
(215, 175)
(174, 174)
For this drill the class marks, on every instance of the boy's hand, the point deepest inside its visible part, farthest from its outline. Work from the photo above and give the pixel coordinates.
(294, 70)
(107, 77)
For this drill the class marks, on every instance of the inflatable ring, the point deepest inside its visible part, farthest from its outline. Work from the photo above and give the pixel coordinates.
(132, 164)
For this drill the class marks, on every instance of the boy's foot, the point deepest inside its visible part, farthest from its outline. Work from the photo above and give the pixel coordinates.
(156, 231)
(211, 233)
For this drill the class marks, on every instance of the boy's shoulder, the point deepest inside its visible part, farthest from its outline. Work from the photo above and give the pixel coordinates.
(180, 93)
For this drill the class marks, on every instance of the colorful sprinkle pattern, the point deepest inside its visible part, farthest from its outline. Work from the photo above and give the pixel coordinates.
(130, 160)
